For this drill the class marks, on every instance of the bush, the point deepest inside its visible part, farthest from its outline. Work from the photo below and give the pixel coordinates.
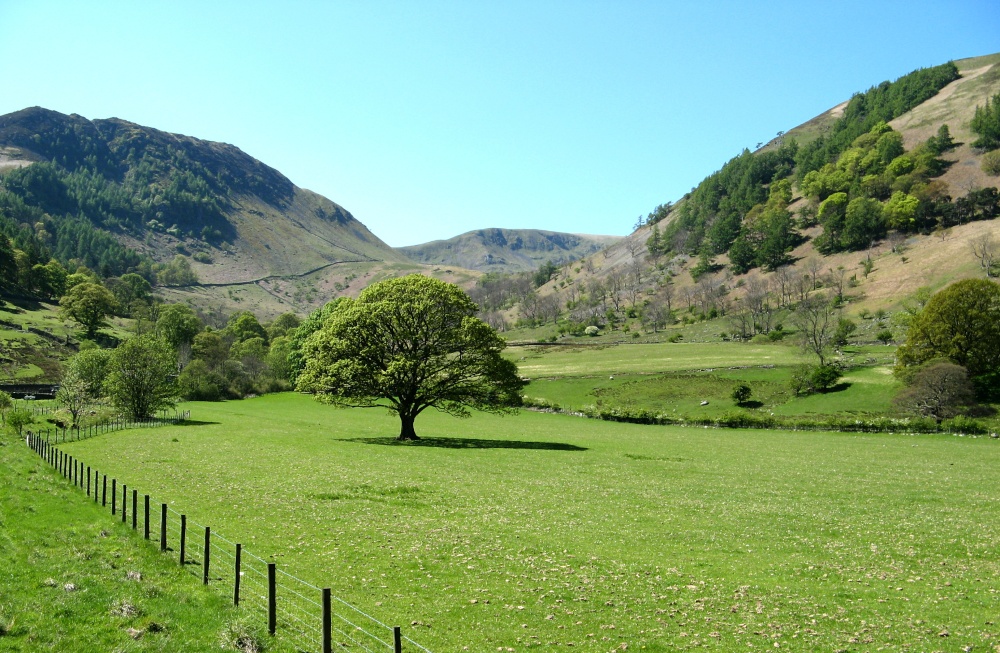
(824, 376)
(937, 389)
(807, 379)
(884, 336)
(17, 419)
(799, 382)
(591, 331)
(741, 393)
(991, 163)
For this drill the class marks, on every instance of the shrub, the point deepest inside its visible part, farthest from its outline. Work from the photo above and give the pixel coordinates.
(675, 338)
(807, 379)
(17, 419)
(937, 389)
(824, 376)
(991, 163)
(741, 393)
(884, 336)
(799, 381)
(591, 331)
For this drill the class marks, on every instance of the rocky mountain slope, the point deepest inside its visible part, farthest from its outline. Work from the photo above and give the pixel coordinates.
(236, 219)
(507, 250)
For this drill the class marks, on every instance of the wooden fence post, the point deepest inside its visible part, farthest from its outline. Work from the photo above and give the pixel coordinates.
(184, 523)
(239, 572)
(208, 554)
(145, 529)
(397, 640)
(114, 495)
(88, 481)
(163, 527)
(135, 509)
(124, 502)
(327, 622)
(104, 491)
(272, 599)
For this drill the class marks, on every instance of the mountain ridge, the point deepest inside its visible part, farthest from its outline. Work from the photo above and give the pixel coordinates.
(498, 249)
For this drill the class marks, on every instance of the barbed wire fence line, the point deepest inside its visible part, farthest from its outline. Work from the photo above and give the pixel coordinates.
(310, 617)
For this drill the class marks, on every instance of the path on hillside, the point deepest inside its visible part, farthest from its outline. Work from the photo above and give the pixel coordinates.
(269, 277)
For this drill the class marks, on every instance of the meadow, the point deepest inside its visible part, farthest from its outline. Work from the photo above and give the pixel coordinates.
(676, 378)
(544, 530)
(74, 579)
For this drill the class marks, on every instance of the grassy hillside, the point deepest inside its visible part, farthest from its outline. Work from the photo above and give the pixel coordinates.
(901, 262)
(540, 530)
(77, 580)
(507, 250)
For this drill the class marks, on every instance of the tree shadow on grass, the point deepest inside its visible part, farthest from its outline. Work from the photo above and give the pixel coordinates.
(752, 403)
(840, 387)
(469, 443)
(195, 422)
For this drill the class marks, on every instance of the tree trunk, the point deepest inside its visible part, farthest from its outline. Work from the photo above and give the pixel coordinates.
(406, 431)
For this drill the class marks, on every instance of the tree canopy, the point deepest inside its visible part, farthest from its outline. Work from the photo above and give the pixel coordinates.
(409, 344)
(140, 376)
(88, 304)
(960, 323)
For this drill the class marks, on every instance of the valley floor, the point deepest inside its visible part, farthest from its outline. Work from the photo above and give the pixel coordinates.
(539, 530)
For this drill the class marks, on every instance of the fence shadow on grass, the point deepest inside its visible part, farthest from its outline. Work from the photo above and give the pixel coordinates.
(468, 443)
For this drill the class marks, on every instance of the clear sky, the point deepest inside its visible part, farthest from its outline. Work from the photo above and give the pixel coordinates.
(428, 119)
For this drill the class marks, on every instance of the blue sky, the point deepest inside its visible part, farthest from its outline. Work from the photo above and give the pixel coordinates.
(428, 119)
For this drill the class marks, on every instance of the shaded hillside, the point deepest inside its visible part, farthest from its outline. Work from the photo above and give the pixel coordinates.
(507, 250)
(161, 194)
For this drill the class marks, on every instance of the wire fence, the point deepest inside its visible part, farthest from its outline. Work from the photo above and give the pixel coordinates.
(311, 618)
(56, 435)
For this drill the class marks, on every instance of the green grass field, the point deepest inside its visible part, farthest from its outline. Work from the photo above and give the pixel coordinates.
(545, 530)
(678, 377)
(73, 579)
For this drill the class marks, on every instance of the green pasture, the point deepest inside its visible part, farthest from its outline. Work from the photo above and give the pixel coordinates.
(549, 531)
(73, 579)
(678, 377)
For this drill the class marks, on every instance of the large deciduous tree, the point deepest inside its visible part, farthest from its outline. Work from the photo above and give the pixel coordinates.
(88, 303)
(409, 344)
(960, 323)
(140, 376)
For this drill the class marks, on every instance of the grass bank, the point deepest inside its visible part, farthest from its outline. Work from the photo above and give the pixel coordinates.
(72, 578)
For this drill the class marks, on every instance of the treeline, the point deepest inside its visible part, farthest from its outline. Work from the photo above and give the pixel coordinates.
(859, 180)
(880, 103)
